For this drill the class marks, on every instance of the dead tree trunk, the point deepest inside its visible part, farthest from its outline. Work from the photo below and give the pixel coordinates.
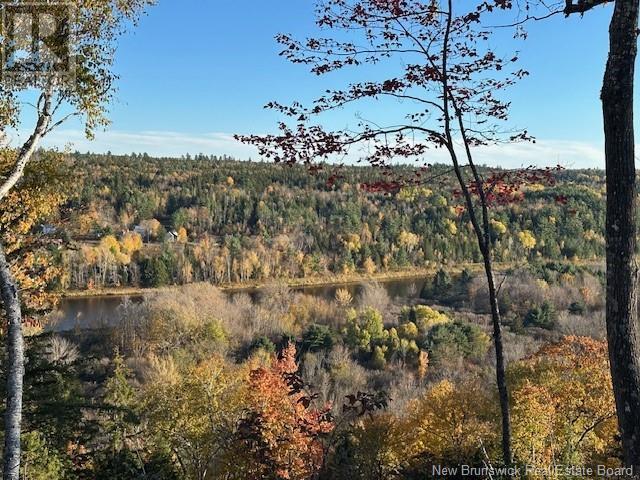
(622, 270)
(14, 371)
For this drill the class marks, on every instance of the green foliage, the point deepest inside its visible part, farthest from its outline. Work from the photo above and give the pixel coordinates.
(424, 317)
(578, 308)
(40, 461)
(408, 331)
(260, 214)
(213, 331)
(456, 339)
(262, 343)
(378, 360)
(465, 277)
(317, 337)
(364, 329)
(119, 399)
(441, 282)
(543, 316)
(154, 272)
(120, 464)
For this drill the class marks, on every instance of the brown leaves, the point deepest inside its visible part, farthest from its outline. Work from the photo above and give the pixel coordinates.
(363, 403)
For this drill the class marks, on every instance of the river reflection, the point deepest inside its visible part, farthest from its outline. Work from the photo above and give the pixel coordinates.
(97, 312)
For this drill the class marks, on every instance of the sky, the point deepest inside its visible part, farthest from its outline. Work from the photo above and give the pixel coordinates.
(195, 72)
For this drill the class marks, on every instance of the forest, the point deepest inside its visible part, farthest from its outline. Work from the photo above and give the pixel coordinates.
(193, 383)
(513, 349)
(189, 380)
(239, 222)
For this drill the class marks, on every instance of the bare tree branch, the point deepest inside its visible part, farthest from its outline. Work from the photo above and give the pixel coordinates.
(582, 6)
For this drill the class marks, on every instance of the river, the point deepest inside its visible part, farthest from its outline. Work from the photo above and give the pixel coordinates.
(94, 312)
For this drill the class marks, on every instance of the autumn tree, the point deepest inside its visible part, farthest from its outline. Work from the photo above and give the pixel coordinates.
(193, 414)
(64, 81)
(38, 198)
(563, 405)
(281, 431)
(447, 80)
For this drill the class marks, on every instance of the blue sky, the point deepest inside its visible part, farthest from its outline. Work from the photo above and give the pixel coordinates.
(197, 71)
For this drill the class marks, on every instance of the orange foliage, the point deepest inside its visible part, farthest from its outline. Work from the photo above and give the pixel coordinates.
(281, 430)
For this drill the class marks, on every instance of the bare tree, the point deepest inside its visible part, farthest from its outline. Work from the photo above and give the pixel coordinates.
(447, 79)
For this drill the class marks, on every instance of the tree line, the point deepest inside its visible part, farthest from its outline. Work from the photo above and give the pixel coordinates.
(253, 221)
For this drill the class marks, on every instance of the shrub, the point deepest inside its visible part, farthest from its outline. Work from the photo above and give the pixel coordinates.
(423, 317)
(543, 316)
(262, 343)
(456, 339)
(317, 337)
(578, 308)
(364, 328)
(441, 283)
(408, 330)
(378, 360)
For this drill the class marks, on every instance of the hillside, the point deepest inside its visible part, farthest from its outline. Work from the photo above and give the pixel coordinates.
(249, 221)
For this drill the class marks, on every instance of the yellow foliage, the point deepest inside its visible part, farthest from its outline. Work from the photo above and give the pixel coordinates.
(527, 239)
(450, 420)
(352, 242)
(369, 266)
(131, 243)
(343, 297)
(409, 240)
(110, 244)
(152, 226)
(440, 201)
(451, 226)
(194, 412)
(36, 199)
(563, 405)
(427, 317)
(498, 227)
(423, 364)
(542, 284)
(411, 194)
(183, 237)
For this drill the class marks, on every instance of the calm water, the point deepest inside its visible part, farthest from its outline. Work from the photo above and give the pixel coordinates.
(96, 312)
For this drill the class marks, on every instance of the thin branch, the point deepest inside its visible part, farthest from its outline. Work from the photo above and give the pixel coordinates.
(528, 18)
(60, 122)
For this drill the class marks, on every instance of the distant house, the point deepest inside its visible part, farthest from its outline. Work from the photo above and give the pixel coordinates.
(46, 229)
(140, 230)
(171, 236)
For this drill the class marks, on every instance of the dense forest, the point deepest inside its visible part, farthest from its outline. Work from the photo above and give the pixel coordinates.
(140, 221)
(191, 382)
(195, 383)
(211, 318)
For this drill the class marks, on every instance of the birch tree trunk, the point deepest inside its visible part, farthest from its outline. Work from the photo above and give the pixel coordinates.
(14, 370)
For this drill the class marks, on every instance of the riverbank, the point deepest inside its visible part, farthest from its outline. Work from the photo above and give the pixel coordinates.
(333, 280)
(311, 282)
